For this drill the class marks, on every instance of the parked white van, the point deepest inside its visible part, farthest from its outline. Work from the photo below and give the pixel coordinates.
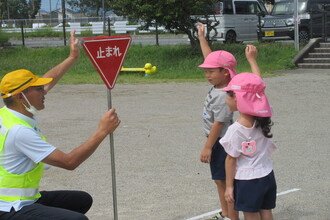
(237, 19)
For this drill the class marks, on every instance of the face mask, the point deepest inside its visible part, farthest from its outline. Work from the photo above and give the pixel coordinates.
(30, 109)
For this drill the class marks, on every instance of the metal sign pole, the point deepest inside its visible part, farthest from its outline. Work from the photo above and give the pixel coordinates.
(95, 47)
(113, 168)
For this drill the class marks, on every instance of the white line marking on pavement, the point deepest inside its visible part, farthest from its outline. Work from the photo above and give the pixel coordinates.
(204, 215)
(288, 191)
(219, 210)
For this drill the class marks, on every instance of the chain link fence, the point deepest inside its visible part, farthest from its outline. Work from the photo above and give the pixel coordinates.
(84, 26)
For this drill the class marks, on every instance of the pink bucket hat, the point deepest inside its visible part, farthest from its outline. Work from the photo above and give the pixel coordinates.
(249, 91)
(220, 59)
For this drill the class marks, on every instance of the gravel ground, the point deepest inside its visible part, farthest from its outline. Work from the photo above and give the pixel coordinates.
(157, 147)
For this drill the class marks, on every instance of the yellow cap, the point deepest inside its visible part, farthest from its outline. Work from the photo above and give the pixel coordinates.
(18, 80)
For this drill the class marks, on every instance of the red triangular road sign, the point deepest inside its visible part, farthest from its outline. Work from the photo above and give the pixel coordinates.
(107, 54)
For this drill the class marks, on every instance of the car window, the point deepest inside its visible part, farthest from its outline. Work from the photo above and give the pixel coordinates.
(319, 6)
(247, 7)
(228, 7)
(287, 8)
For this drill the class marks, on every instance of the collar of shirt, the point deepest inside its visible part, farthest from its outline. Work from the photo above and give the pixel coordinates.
(31, 121)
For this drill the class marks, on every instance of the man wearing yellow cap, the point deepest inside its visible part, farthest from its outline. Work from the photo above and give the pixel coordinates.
(24, 151)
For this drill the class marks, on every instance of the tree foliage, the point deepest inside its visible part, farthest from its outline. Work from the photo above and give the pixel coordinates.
(85, 5)
(33, 7)
(19, 9)
(172, 14)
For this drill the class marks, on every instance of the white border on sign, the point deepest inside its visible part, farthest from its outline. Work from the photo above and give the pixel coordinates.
(94, 61)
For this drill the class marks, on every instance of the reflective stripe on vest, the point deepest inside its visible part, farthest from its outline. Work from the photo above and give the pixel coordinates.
(17, 192)
(13, 186)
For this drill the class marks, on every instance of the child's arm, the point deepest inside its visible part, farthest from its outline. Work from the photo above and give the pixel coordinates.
(205, 155)
(206, 50)
(230, 167)
(251, 54)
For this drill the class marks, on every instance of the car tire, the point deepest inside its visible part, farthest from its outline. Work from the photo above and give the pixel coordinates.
(230, 37)
(303, 36)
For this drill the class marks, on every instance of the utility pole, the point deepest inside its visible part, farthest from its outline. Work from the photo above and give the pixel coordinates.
(7, 9)
(103, 16)
(64, 17)
(296, 26)
(50, 12)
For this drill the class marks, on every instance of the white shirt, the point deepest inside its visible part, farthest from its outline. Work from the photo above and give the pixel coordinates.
(23, 150)
(251, 149)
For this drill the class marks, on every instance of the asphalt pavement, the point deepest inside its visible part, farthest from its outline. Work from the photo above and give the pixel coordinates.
(159, 175)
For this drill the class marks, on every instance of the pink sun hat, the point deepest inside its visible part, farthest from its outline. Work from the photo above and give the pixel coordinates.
(220, 59)
(249, 91)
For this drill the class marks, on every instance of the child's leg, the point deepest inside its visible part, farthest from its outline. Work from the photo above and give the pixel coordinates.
(232, 213)
(221, 186)
(266, 214)
(252, 216)
(227, 208)
(218, 172)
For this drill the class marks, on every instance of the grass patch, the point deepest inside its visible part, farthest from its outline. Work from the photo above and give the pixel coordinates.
(174, 63)
(3, 37)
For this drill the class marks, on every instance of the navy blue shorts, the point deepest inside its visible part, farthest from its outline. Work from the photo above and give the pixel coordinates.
(256, 194)
(217, 164)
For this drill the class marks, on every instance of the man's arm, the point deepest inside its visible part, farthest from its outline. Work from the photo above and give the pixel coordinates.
(206, 50)
(251, 54)
(59, 70)
(205, 155)
(107, 124)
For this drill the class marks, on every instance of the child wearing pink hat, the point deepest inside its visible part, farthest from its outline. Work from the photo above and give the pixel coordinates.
(250, 180)
(219, 67)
